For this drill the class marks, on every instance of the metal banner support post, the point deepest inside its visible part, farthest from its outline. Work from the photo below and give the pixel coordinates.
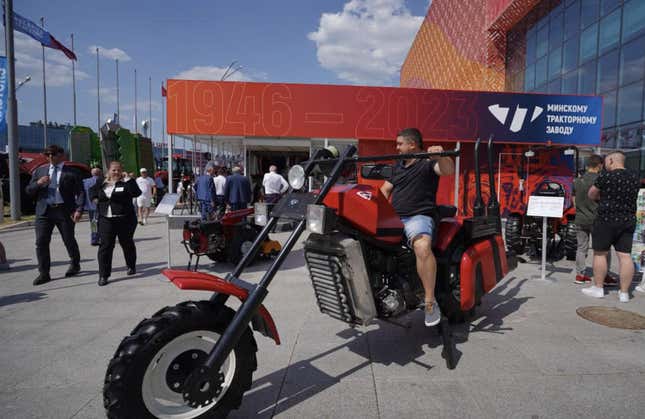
(545, 207)
(543, 267)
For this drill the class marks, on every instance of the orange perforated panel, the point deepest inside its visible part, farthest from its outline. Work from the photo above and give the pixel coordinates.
(462, 45)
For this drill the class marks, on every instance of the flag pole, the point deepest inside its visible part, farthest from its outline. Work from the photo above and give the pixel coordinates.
(42, 24)
(12, 115)
(136, 121)
(74, 81)
(150, 105)
(98, 92)
(118, 110)
(163, 115)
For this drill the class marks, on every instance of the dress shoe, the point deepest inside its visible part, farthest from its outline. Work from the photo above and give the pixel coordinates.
(72, 270)
(42, 279)
(132, 271)
(102, 281)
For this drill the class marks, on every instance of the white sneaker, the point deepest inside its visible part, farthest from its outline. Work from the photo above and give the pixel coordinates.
(641, 287)
(144, 222)
(594, 291)
(623, 297)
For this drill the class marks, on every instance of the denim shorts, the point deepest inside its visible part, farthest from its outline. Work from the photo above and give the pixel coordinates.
(417, 225)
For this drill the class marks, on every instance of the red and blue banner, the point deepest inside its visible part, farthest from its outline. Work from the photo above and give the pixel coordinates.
(378, 113)
(28, 27)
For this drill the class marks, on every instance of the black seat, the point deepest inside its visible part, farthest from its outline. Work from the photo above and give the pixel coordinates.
(446, 211)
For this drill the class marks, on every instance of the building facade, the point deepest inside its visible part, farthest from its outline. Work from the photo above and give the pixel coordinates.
(31, 137)
(584, 47)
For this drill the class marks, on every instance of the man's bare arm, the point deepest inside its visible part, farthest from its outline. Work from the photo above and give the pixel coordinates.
(594, 193)
(386, 189)
(445, 166)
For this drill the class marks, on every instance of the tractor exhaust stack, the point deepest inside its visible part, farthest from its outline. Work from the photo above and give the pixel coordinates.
(478, 206)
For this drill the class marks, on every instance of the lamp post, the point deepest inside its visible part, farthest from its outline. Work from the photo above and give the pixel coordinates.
(24, 81)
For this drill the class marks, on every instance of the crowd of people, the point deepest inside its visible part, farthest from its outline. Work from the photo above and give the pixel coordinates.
(605, 198)
(116, 202)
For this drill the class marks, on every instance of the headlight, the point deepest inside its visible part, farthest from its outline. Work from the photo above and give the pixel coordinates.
(320, 219)
(297, 177)
(260, 214)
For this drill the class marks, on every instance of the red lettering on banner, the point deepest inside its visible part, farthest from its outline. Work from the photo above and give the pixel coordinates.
(367, 127)
(277, 110)
(242, 113)
(206, 105)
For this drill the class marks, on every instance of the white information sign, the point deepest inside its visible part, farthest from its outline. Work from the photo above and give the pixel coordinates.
(167, 204)
(546, 206)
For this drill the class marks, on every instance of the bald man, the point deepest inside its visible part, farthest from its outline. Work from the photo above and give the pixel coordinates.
(274, 185)
(616, 191)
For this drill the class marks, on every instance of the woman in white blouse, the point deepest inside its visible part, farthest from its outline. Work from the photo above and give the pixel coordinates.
(113, 196)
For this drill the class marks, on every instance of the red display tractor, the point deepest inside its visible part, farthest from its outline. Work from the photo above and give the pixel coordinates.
(197, 359)
(523, 233)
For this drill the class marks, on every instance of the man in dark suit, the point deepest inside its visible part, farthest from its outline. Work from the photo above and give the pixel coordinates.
(60, 197)
(237, 192)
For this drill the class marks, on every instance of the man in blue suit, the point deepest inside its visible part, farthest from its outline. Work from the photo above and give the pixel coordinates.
(205, 192)
(237, 193)
(60, 197)
(90, 207)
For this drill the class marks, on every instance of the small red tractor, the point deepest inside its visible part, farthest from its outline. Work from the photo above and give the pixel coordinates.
(197, 359)
(523, 234)
(226, 238)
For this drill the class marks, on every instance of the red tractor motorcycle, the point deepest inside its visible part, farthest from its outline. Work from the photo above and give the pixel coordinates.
(196, 359)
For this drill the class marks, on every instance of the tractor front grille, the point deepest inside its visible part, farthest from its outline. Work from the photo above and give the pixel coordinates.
(330, 285)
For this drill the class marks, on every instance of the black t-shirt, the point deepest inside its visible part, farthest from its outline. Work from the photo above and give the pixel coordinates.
(415, 188)
(618, 195)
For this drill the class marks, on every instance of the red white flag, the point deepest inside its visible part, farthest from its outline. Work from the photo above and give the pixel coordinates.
(164, 92)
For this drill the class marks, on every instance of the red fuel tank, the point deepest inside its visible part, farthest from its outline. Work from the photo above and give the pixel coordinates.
(365, 207)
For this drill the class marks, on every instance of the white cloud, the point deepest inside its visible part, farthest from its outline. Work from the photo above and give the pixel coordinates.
(58, 67)
(210, 73)
(110, 53)
(367, 42)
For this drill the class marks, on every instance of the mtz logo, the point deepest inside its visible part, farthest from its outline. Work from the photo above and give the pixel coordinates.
(500, 113)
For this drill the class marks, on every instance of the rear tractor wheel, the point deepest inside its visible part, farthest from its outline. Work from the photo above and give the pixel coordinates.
(570, 240)
(513, 234)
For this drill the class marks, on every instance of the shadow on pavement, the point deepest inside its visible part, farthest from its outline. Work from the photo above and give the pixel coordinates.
(285, 388)
(144, 270)
(34, 266)
(497, 305)
(26, 297)
(143, 239)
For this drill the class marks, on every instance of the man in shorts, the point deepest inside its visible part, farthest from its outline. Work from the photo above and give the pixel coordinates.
(616, 191)
(148, 189)
(585, 215)
(413, 187)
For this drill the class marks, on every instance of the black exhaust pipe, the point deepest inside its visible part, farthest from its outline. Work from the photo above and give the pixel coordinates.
(493, 203)
(478, 206)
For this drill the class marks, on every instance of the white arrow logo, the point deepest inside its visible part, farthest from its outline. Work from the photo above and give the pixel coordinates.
(501, 113)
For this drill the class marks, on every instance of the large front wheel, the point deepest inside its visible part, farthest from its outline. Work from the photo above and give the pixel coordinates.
(145, 378)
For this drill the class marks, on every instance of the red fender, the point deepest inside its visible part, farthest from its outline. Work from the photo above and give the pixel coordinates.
(189, 280)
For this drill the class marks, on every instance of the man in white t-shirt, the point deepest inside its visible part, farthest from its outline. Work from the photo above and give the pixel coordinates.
(220, 184)
(274, 185)
(148, 190)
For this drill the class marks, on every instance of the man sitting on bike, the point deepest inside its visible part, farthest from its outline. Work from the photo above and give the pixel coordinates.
(413, 187)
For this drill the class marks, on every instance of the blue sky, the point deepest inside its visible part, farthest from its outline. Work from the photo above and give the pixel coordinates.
(297, 41)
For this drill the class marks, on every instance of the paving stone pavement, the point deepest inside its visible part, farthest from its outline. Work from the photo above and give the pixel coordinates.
(525, 355)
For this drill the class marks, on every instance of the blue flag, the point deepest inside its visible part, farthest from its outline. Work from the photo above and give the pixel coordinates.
(4, 86)
(28, 27)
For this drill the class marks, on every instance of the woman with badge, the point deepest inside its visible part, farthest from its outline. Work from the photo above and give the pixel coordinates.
(117, 218)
